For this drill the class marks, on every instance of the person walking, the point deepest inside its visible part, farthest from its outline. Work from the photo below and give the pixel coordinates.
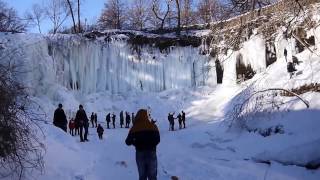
(92, 119)
(113, 120)
(60, 118)
(108, 119)
(100, 131)
(83, 123)
(145, 137)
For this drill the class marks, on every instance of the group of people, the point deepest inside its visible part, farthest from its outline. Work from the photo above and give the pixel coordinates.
(127, 119)
(143, 135)
(181, 120)
(78, 125)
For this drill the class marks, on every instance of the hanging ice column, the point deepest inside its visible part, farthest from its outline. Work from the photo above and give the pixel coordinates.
(92, 66)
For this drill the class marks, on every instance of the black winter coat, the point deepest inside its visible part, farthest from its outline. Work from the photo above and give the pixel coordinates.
(108, 118)
(59, 118)
(81, 118)
(100, 130)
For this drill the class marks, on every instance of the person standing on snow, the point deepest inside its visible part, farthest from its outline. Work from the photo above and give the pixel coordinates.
(92, 119)
(127, 120)
(113, 120)
(83, 123)
(132, 118)
(108, 119)
(183, 119)
(60, 119)
(171, 121)
(100, 131)
(179, 117)
(121, 119)
(96, 119)
(71, 126)
(285, 52)
(145, 136)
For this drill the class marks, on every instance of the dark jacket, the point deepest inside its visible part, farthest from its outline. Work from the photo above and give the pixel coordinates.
(100, 130)
(92, 117)
(144, 135)
(121, 117)
(81, 118)
(59, 118)
(108, 118)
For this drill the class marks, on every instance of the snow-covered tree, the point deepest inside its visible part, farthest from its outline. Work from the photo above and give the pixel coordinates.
(9, 19)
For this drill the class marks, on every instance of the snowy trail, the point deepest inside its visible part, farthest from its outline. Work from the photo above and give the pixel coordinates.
(195, 153)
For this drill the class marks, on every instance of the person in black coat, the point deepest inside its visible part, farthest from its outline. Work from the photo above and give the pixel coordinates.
(121, 119)
(96, 119)
(145, 136)
(113, 120)
(92, 119)
(179, 117)
(83, 123)
(183, 119)
(171, 121)
(100, 131)
(108, 119)
(132, 118)
(127, 120)
(60, 119)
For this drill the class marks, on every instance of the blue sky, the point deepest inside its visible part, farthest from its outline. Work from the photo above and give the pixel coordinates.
(90, 9)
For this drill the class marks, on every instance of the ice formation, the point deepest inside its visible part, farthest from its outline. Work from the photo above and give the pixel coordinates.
(90, 66)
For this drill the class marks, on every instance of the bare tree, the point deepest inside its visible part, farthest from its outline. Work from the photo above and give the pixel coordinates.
(36, 15)
(138, 14)
(113, 15)
(72, 15)
(210, 11)
(187, 14)
(9, 19)
(57, 11)
(157, 11)
(20, 147)
(243, 6)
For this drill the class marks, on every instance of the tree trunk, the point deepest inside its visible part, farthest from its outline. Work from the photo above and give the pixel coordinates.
(72, 15)
(79, 25)
(179, 17)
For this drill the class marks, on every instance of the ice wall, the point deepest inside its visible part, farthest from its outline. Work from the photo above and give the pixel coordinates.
(88, 66)
(116, 66)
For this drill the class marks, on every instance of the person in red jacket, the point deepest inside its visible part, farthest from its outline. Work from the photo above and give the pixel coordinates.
(72, 126)
(145, 136)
